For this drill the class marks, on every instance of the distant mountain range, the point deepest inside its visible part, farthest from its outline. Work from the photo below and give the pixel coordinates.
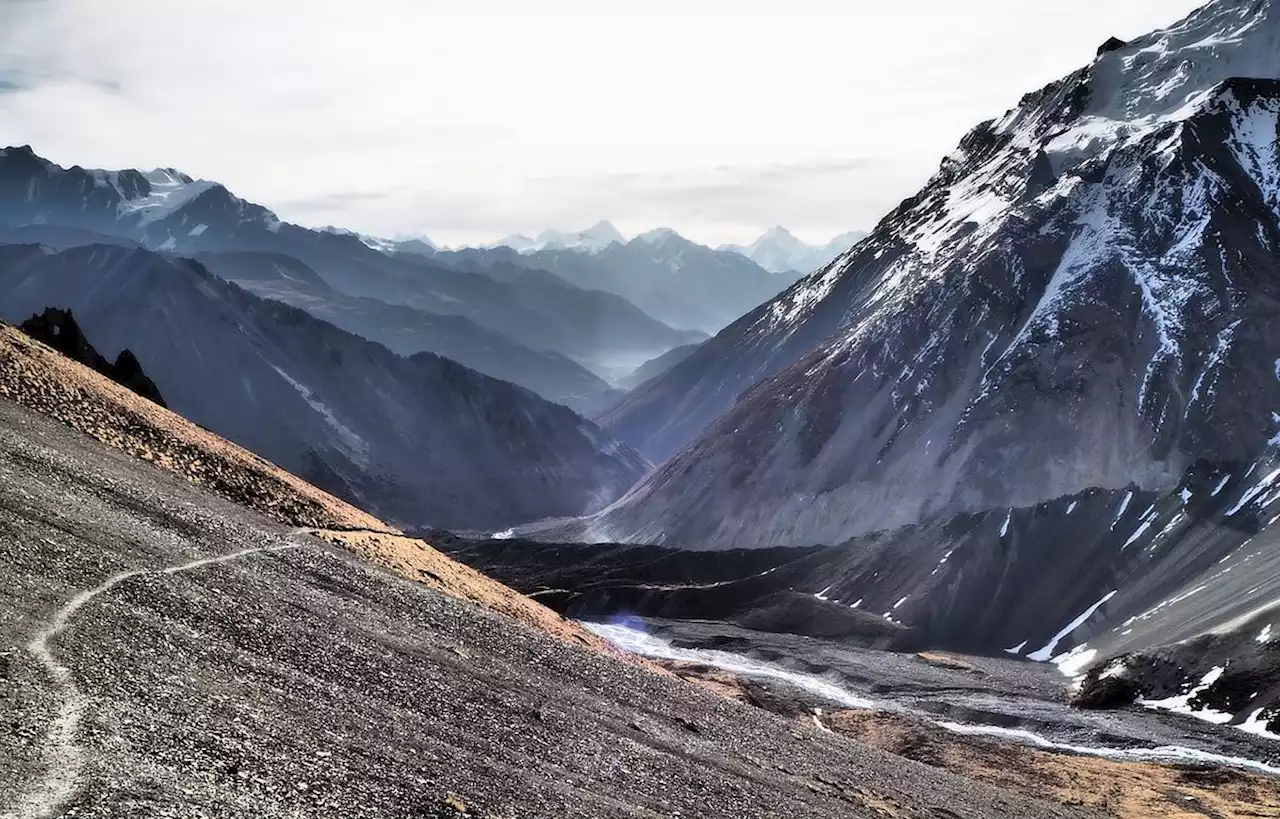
(679, 282)
(597, 237)
(168, 211)
(418, 440)
(778, 251)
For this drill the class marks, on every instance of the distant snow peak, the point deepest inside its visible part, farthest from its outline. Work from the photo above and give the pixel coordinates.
(779, 251)
(169, 191)
(593, 239)
(377, 243)
(658, 236)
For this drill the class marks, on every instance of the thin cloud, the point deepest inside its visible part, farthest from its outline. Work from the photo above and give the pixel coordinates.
(718, 118)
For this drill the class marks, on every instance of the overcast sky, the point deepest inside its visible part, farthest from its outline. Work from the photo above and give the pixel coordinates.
(471, 119)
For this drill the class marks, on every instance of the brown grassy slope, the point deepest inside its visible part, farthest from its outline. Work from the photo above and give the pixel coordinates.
(1126, 790)
(1123, 790)
(41, 379)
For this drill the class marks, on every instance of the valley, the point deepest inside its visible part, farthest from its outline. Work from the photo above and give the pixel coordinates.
(973, 514)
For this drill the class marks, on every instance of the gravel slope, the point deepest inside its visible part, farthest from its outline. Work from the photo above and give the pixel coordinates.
(305, 683)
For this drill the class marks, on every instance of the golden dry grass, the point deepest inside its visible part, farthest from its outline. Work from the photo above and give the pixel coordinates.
(421, 562)
(1126, 790)
(950, 661)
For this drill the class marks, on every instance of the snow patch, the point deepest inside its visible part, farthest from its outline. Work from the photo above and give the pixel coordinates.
(354, 444)
(1046, 653)
(1124, 504)
(1181, 703)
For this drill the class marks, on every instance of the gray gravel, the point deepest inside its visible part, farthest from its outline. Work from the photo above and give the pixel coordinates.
(301, 683)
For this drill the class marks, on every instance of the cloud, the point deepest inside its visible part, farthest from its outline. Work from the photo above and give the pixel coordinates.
(469, 120)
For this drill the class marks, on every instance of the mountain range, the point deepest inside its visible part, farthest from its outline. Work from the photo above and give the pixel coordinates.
(419, 439)
(1097, 258)
(597, 237)
(168, 211)
(679, 282)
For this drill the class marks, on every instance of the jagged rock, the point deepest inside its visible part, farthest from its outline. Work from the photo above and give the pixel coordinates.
(1089, 260)
(58, 329)
(1112, 44)
(1101, 691)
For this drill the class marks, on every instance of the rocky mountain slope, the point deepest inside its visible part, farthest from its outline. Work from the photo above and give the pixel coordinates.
(407, 330)
(1080, 297)
(418, 440)
(1176, 592)
(168, 211)
(779, 251)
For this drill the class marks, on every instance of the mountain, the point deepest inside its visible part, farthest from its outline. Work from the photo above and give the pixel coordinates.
(778, 251)
(679, 282)
(169, 211)
(406, 330)
(655, 367)
(416, 439)
(1080, 297)
(597, 237)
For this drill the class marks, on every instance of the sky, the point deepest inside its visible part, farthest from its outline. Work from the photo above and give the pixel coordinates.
(468, 120)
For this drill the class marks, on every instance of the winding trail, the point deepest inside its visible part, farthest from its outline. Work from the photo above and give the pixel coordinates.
(64, 758)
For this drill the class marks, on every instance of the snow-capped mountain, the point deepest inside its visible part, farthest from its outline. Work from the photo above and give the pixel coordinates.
(421, 440)
(1080, 297)
(597, 237)
(779, 251)
(161, 208)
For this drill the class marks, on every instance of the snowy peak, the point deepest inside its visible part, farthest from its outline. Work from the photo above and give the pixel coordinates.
(659, 237)
(161, 208)
(593, 239)
(779, 251)
(1134, 88)
(601, 234)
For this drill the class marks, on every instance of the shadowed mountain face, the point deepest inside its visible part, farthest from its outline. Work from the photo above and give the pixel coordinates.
(407, 330)
(421, 439)
(655, 367)
(1083, 295)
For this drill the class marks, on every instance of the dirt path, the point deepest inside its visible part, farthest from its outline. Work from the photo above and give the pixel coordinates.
(64, 759)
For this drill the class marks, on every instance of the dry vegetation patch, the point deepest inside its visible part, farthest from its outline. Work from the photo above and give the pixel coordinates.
(1126, 790)
(417, 560)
